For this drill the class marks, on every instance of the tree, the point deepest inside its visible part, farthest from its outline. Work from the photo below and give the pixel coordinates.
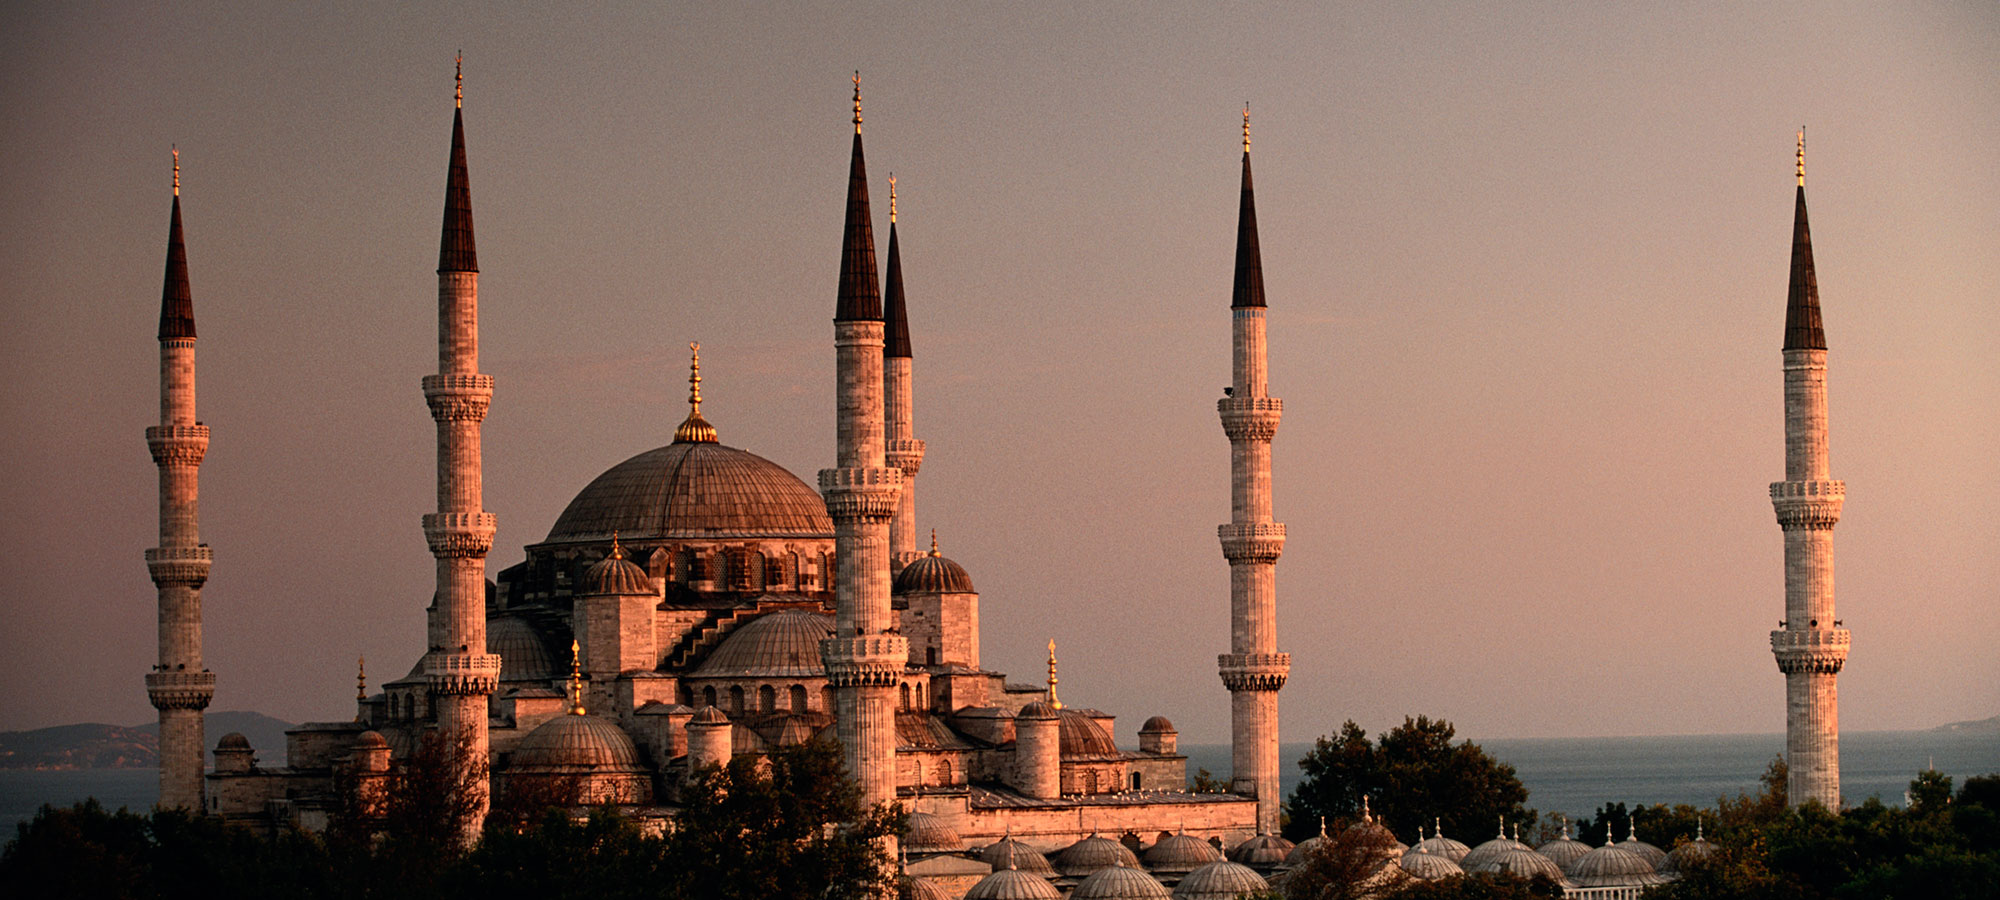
(1351, 864)
(1411, 775)
(1484, 886)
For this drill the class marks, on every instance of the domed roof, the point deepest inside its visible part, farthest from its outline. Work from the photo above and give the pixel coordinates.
(781, 644)
(1220, 880)
(694, 490)
(616, 575)
(1563, 850)
(1157, 725)
(371, 740)
(1688, 852)
(1120, 882)
(1179, 853)
(1008, 853)
(1429, 866)
(1439, 845)
(928, 833)
(576, 742)
(1083, 737)
(1654, 856)
(1298, 854)
(1040, 709)
(235, 741)
(934, 574)
(1523, 862)
(708, 715)
(524, 656)
(1611, 866)
(1489, 851)
(914, 888)
(1265, 850)
(1013, 884)
(1091, 854)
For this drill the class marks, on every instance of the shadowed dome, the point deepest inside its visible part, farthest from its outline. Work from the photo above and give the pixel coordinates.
(1688, 852)
(1563, 850)
(934, 574)
(1220, 880)
(693, 490)
(782, 644)
(1008, 853)
(1612, 866)
(1180, 853)
(1083, 738)
(1490, 851)
(1265, 850)
(616, 576)
(1429, 866)
(1013, 884)
(524, 656)
(1525, 863)
(575, 743)
(1158, 725)
(928, 833)
(1119, 882)
(1091, 854)
(915, 888)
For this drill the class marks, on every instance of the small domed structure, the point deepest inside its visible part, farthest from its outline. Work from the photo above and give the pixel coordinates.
(368, 740)
(524, 656)
(933, 574)
(1563, 850)
(1083, 738)
(1008, 853)
(1157, 725)
(1654, 856)
(236, 741)
(1687, 852)
(1039, 709)
(708, 715)
(1120, 882)
(1491, 850)
(1091, 854)
(914, 888)
(1523, 862)
(1264, 851)
(1429, 866)
(1179, 854)
(1220, 880)
(615, 575)
(780, 644)
(1612, 866)
(1439, 845)
(1013, 884)
(929, 834)
(575, 743)
(1298, 854)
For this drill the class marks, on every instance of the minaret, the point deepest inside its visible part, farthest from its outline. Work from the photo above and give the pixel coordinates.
(903, 450)
(179, 686)
(864, 658)
(1253, 669)
(461, 673)
(1811, 647)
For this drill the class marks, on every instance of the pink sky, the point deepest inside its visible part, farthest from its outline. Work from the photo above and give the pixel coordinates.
(1526, 270)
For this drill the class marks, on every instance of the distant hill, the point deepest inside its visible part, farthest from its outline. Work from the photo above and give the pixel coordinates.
(98, 746)
(1976, 726)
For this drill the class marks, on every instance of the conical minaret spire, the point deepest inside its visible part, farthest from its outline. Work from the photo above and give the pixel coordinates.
(1253, 670)
(462, 675)
(902, 448)
(179, 686)
(864, 659)
(1811, 647)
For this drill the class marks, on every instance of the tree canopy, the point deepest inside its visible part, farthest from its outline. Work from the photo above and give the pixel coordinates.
(1411, 775)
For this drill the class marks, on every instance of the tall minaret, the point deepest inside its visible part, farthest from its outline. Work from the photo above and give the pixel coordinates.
(461, 673)
(864, 658)
(904, 450)
(1253, 669)
(1811, 647)
(180, 687)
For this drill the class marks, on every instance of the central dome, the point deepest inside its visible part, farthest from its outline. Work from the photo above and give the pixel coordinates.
(694, 490)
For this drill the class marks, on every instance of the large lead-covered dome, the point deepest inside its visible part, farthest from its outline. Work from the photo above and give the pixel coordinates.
(694, 490)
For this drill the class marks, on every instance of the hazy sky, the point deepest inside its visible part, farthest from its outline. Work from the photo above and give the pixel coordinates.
(1526, 266)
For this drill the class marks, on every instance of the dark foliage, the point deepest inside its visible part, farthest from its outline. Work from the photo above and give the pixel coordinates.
(1351, 864)
(1411, 775)
(1500, 886)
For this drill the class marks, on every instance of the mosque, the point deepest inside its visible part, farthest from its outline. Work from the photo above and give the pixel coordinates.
(698, 602)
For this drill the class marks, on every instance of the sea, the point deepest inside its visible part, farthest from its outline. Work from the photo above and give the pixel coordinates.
(1573, 776)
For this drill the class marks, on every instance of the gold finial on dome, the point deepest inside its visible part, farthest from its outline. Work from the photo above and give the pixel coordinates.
(892, 198)
(1246, 126)
(857, 101)
(458, 81)
(1802, 156)
(361, 677)
(177, 168)
(1053, 701)
(695, 429)
(617, 552)
(575, 678)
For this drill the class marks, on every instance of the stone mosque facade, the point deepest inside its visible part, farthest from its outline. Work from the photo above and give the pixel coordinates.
(698, 602)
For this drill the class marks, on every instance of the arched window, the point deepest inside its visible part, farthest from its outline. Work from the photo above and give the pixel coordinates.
(906, 695)
(798, 574)
(736, 699)
(826, 698)
(944, 772)
(767, 699)
(923, 702)
(708, 696)
(1135, 781)
(1090, 781)
(798, 698)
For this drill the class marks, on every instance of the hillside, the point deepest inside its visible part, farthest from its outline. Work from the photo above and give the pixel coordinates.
(1975, 726)
(93, 745)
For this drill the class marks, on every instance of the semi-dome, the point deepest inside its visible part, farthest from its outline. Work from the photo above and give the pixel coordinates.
(524, 656)
(616, 575)
(1120, 882)
(1008, 853)
(1264, 850)
(1523, 862)
(927, 833)
(1429, 866)
(694, 490)
(934, 574)
(1220, 880)
(781, 644)
(1013, 884)
(576, 743)
(1083, 738)
(1180, 853)
(1091, 854)
(1612, 866)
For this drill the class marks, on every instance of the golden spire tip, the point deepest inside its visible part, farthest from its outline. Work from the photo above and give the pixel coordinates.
(361, 677)
(1053, 700)
(1802, 156)
(458, 81)
(694, 429)
(575, 678)
(694, 378)
(892, 198)
(934, 550)
(857, 101)
(617, 552)
(177, 168)
(1246, 126)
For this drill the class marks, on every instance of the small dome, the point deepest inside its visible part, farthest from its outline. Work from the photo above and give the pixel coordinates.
(933, 574)
(914, 888)
(1157, 725)
(1654, 856)
(1179, 853)
(1688, 852)
(694, 490)
(1523, 862)
(1563, 850)
(1439, 845)
(1429, 866)
(1082, 737)
(1612, 866)
(233, 741)
(369, 740)
(1489, 851)
(781, 644)
(524, 656)
(929, 834)
(615, 575)
(1298, 854)
(1220, 880)
(1091, 854)
(1264, 850)
(1008, 853)
(576, 742)
(1040, 709)
(1013, 884)
(1120, 882)
(708, 715)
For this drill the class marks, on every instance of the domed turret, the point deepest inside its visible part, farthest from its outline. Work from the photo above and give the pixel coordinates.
(1013, 884)
(1220, 880)
(1264, 851)
(1038, 750)
(1120, 882)
(1429, 866)
(615, 575)
(929, 834)
(1439, 845)
(1159, 736)
(1008, 853)
(1491, 850)
(1179, 854)
(1612, 866)
(1091, 854)
(934, 574)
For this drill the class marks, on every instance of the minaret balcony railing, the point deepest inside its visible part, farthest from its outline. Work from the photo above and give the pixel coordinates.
(1816, 650)
(1250, 418)
(1808, 505)
(177, 445)
(906, 454)
(866, 660)
(179, 565)
(180, 690)
(460, 534)
(458, 398)
(861, 494)
(1252, 542)
(462, 673)
(1254, 671)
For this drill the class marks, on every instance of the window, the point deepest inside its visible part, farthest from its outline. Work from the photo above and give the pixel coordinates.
(736, 699)
(798, 698)
(767, 699)
(708, 696)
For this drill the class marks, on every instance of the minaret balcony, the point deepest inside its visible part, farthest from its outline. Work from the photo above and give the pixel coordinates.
(177, 445)
(1819, 650)
(1253, 542)
(1250, 418)
(1254, 671)
(458, 398)
(459, 534)
(1808, 505)
(462, 673)
(861, 494)
(906, 454)
(179, 565)
(180, 690)
(865, 660)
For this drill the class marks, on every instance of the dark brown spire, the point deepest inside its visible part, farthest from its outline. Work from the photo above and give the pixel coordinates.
(455, 251)
(176, 300)
(1249, 290)
(896, 317)
(1802, 328)
(860, 295)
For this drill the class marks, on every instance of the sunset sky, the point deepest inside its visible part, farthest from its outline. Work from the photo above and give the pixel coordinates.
(1526, 268)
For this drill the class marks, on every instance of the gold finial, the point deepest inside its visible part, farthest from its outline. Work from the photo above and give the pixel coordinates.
(575, 678)
(857, 101)
(1053, 701)
(361, 677)
(694, 429)
(934, 542)
(177, 169)
(1802, 156)
(617, 552)
(458, 81)
(892, 198)
(1246, 126)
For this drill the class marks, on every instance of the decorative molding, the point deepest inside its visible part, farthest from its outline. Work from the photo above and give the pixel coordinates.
(459, 534)
(180, 690)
